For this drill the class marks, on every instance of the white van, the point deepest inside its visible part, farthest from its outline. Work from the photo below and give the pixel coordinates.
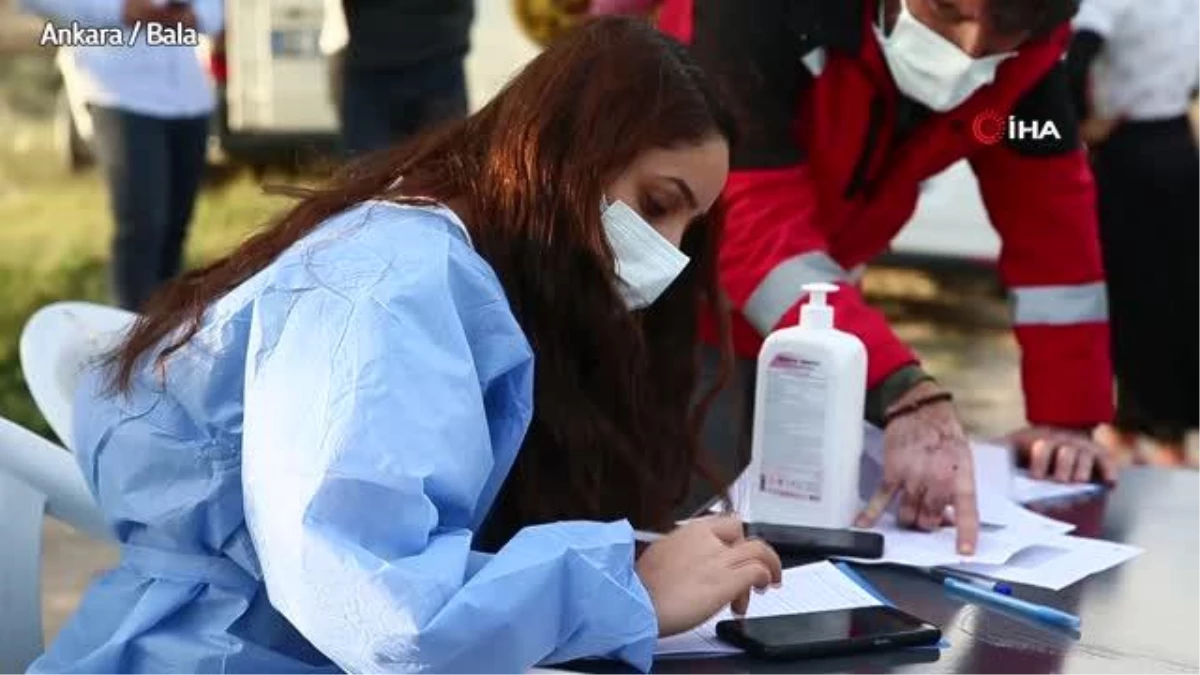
(274, 99)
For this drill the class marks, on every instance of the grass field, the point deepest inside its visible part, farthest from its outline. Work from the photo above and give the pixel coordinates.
(55, 227)
(54, 235)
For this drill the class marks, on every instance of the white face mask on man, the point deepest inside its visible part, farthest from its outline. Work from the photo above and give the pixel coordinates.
(646, 261)
(930, 69)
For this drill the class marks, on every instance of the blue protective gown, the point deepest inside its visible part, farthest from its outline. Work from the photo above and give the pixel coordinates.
(299, 489)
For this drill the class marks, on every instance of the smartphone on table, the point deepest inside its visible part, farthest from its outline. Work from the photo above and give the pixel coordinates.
(818, 541)
(833, 633)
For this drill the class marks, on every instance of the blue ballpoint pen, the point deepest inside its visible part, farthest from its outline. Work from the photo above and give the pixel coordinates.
(1027, 609)
(940, 575)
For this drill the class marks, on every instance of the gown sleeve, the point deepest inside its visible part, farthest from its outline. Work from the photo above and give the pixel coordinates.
(368, 446)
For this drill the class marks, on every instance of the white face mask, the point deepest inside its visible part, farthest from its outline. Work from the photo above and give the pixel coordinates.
(647, 262)
(930, 69)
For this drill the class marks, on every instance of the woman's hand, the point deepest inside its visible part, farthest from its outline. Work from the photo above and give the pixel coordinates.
(927, 461)
(703, 566)
(1063, 455)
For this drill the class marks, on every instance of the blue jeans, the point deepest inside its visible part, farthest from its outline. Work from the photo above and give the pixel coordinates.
(153, 167)
(381, 107)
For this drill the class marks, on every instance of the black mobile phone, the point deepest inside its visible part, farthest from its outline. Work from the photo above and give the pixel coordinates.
(788, 540)
(844, 631)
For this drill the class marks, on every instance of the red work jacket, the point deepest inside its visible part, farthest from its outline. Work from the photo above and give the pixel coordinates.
(830, 167)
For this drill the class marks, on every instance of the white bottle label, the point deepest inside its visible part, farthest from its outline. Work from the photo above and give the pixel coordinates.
(794, 428)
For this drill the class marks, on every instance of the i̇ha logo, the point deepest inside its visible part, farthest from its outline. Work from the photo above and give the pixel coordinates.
(990, 128)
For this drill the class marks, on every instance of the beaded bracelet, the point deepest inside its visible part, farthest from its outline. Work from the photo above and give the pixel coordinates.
(910, 408)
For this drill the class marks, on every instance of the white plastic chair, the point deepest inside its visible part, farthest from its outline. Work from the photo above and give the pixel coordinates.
(37, 478)
(57, 343)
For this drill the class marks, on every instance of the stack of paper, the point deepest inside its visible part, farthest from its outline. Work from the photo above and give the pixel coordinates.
(1056, 563)
(904, 546)
(1015, 544)
(1027, 490)
(818, 587)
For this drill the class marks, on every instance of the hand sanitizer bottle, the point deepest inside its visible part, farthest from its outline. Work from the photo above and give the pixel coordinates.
(808, 422)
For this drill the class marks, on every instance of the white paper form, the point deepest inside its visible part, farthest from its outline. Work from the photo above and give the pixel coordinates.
(902, 546)
(1016, 517)
(818, 587)
(1027, 490)
(1058, 562)
(996, 476)
(993, 482)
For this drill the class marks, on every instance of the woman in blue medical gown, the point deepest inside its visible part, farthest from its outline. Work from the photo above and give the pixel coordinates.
(412, 425)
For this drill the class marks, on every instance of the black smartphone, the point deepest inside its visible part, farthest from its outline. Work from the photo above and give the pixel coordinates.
(844, 631)
(819, 541)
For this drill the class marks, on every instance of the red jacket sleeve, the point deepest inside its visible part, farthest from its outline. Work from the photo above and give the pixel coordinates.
(771, 249)
(1041, 198)
(675, 19)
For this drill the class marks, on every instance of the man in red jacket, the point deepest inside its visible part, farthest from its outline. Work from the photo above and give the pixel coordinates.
(848, 106)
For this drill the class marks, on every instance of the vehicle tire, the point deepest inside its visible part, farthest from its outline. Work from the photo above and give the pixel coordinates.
(73, 151)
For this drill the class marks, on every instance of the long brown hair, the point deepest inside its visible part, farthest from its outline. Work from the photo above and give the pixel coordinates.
(614, 432)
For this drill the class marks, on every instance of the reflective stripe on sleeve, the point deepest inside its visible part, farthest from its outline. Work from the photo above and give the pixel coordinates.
(781, 289)
(1060, 305)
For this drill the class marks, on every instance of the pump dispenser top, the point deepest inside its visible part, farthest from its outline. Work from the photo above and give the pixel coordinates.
(816, 313)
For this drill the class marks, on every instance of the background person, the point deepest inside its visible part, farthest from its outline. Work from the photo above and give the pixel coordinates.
(402, 69)
(332, 42)
(849, 105)
(1135, 70)
(332, 448)
(150, 106)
